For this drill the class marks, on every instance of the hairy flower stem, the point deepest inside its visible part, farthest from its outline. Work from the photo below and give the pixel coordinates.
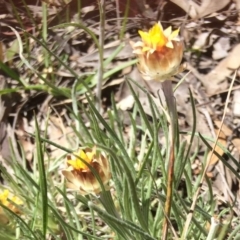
(168, 93)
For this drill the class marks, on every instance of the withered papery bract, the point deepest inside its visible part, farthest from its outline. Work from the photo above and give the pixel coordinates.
(159, 53)
(80, 177)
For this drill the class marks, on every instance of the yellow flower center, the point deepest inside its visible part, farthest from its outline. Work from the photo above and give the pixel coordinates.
(4, 196)
(157, 38)
(78, 164)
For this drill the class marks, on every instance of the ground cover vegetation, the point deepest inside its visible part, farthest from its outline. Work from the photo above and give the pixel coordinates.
(119, 119)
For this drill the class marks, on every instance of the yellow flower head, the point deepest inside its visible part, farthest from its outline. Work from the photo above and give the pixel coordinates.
(5, 196)
(80, 176)
(77, 162)
(159, 53)
(157, 38)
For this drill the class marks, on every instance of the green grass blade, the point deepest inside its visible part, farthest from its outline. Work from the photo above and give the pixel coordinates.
(42, 180)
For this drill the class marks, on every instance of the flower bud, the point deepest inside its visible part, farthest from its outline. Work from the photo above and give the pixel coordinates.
(80, 177)
(159, 53)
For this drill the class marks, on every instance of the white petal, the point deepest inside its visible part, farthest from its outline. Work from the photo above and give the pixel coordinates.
(174, 34)
(169, 44)
(138, 44)
(167, 32)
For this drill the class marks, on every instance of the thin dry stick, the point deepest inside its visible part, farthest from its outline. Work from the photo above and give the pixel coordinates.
(190, 214)
(101, 51)
(118, 15)
(168, 92)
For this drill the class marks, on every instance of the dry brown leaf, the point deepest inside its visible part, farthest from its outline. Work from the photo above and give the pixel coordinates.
(28, 147)
(196, 11)
(126, 103)
(236, 143)
(221, 48)
(126, 52)
(59, 134)
(24, 139)
(225, 129)
(202, 40)
(222, 141)
(238, 8)
(236, 103)
(56, 135)
(215, 80)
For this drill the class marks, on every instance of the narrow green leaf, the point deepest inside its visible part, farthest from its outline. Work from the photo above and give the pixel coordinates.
(42, 180)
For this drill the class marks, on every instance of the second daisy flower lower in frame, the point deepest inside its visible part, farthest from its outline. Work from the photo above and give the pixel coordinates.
(79, 175)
